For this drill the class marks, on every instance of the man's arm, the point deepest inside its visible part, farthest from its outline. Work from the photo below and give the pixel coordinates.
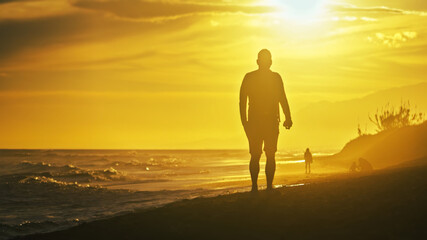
(243, 102)
(285, 105)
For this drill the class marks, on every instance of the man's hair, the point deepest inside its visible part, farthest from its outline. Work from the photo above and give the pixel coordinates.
(264, 54)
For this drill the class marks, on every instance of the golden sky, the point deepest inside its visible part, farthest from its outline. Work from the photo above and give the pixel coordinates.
(166, 74)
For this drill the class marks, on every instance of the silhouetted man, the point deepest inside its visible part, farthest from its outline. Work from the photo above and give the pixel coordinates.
(308, 160)
(265, 91)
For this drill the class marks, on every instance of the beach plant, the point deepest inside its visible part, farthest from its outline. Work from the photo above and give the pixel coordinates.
(389, 117)
(361, 132)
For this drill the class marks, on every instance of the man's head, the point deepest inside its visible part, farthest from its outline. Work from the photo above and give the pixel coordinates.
(264, 59)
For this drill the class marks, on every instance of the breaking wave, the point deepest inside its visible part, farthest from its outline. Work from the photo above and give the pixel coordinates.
(41, 203)
(42, 171)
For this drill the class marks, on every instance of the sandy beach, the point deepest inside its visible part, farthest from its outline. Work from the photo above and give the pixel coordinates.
(386, 204)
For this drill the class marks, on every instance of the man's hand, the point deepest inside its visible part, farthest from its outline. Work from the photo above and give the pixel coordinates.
(288, 123)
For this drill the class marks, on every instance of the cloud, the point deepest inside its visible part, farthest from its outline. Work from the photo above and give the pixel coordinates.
(348, 8)
(394, 40)
(406, 4)
(8, 1)
(140, 9)
(20, 34)
(353, 19)
(87, 64)
(31, 9)
(28, 36)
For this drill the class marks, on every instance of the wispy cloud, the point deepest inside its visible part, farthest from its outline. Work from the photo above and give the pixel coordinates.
(142, 9)
(25, 35)
(380, 9)
(30, 9)
(394, 40)
(8, 1)
(354, 18)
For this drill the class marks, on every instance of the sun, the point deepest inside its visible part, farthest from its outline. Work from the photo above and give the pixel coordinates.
(300, 10)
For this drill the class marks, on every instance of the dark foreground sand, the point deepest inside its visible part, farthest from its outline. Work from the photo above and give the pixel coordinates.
(388, 204)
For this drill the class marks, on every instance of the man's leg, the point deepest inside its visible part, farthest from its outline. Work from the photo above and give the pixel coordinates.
(306, 167)
(270, 169)
(270, 148)
(255, 149)
(309, 168)
(254, 169)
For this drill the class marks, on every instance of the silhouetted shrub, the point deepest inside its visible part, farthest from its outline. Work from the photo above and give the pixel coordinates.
(390, 118)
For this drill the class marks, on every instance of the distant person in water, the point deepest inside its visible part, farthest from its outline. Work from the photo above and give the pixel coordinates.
(265, 91)
(308, 160)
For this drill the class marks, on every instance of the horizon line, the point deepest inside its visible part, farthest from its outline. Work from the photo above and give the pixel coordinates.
(140, 149)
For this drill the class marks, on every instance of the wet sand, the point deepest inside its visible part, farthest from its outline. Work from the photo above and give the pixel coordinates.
(386, 204)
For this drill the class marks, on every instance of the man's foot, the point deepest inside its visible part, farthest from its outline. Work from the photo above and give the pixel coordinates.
(254, 189)
(273, 192)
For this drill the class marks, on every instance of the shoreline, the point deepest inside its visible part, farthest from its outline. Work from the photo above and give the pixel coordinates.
(388, 203)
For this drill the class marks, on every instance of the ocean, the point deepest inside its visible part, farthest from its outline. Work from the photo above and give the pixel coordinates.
(48, 190)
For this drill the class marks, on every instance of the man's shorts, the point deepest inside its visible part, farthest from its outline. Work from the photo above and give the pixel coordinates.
(259, 133)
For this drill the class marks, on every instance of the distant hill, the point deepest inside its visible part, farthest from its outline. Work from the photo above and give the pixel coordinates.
(386, 148)
(330, 125)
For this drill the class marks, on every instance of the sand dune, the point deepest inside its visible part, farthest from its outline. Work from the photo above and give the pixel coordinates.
(386, 148)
